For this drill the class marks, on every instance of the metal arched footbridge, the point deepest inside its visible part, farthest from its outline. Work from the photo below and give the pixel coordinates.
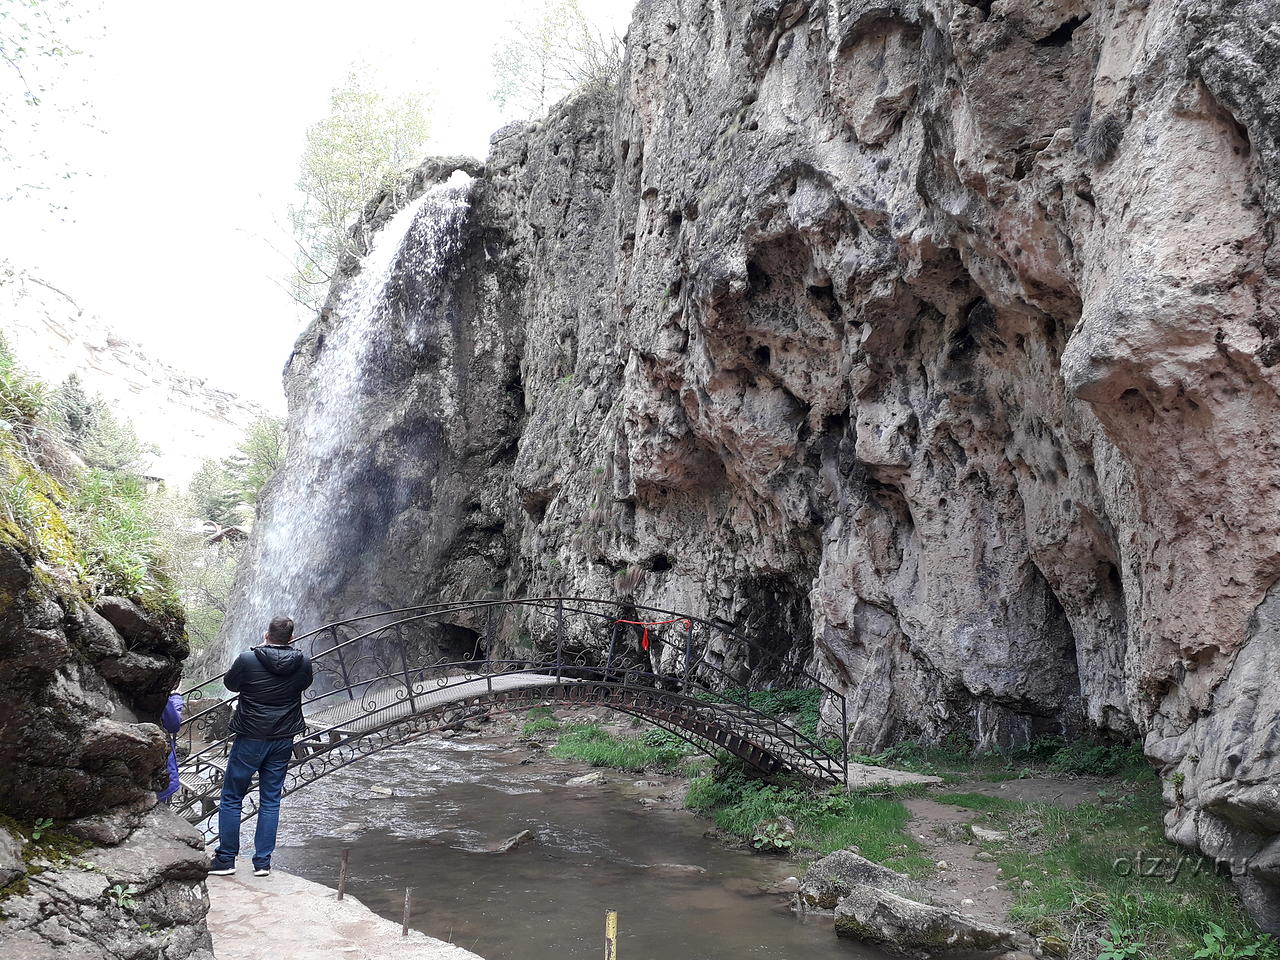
(376, 687)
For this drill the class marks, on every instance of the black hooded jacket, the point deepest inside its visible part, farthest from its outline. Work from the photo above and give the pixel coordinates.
(270, 681)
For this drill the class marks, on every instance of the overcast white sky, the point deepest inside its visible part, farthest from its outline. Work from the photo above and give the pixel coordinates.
(200, 111)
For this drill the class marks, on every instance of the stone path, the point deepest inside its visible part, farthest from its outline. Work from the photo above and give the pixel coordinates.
(285, 916)
(865, 775)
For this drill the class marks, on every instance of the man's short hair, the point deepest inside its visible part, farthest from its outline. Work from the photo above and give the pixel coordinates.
(280, 630)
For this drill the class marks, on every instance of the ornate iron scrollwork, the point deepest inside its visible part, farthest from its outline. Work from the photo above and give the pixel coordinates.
(372, 690)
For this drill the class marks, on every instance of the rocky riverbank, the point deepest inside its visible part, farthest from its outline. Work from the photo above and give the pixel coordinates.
(994, 854)
(89, 866)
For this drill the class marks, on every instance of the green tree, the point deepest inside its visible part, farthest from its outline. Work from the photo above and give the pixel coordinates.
(202, 568)
(359, 148)
(75, 412)
(111, 444)
(213, 495)
(552, 50)
(257, 458)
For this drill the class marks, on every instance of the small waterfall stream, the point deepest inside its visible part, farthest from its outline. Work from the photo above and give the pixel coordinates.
(304, 550)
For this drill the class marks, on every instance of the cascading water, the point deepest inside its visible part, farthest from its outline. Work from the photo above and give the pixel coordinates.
(308, 544)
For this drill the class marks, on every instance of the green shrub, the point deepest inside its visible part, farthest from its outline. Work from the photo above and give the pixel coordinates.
(799, 708)
(1219, 944)
(772, 835)
(954, 758)
(1098, 759)
(118, 534)
(23, 398)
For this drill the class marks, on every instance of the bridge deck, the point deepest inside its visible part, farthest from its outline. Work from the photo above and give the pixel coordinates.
(376, 709)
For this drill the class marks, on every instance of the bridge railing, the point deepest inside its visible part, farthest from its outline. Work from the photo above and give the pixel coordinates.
(378, 657)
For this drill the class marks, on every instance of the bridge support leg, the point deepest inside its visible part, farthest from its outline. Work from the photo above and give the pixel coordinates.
(559, 637)
(844, 739)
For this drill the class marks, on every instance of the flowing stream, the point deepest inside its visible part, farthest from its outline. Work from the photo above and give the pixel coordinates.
(679, 894)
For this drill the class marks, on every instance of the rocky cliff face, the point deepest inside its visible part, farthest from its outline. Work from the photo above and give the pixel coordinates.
(935, 341)
(81, 689)
(186, 419)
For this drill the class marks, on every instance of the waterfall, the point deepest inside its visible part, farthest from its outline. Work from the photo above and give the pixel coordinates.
(309, 541)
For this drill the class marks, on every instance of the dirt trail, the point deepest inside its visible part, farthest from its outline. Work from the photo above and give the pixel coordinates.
(971, 884)
(970, 880)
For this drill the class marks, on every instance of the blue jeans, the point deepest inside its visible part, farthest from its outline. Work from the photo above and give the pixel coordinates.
(269, 759)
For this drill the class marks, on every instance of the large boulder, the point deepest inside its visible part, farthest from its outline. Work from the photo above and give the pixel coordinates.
(80, 691)
(11, 866)
(885, 919)
(834, 877)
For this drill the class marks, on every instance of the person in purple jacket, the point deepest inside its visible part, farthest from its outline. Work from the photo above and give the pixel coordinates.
(171, 720)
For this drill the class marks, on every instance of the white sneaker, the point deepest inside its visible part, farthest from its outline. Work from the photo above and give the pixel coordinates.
(222, 871)
(262, 871)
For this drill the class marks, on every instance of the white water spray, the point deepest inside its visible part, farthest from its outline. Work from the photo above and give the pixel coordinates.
(301, 558)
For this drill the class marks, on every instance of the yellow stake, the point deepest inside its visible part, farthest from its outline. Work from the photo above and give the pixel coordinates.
(611, 935)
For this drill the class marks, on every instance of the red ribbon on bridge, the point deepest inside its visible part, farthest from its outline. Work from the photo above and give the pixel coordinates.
(644, 639)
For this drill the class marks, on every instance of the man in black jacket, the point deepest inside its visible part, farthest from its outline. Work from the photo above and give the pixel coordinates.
(270, 679)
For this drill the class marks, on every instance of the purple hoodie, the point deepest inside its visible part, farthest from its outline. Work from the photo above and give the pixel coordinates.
(171, 720)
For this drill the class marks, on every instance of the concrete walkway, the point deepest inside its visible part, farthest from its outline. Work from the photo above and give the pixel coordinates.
(285, 916)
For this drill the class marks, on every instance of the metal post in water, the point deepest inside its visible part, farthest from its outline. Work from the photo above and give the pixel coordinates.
(404, 925)
(342, 873)
(611, 935)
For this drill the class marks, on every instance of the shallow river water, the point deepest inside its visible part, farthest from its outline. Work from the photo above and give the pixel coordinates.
(597, 848)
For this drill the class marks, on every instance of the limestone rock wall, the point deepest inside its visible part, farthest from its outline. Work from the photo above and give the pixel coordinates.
(932, 341)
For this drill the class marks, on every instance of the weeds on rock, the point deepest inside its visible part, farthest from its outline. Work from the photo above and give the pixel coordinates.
(43, 847)
(123, 896)
(540, 720)
(540, 725)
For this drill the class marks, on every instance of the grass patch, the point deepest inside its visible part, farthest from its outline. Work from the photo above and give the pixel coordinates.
(826, 821)
(653, 750)
(540, 725)
(1104, 871)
